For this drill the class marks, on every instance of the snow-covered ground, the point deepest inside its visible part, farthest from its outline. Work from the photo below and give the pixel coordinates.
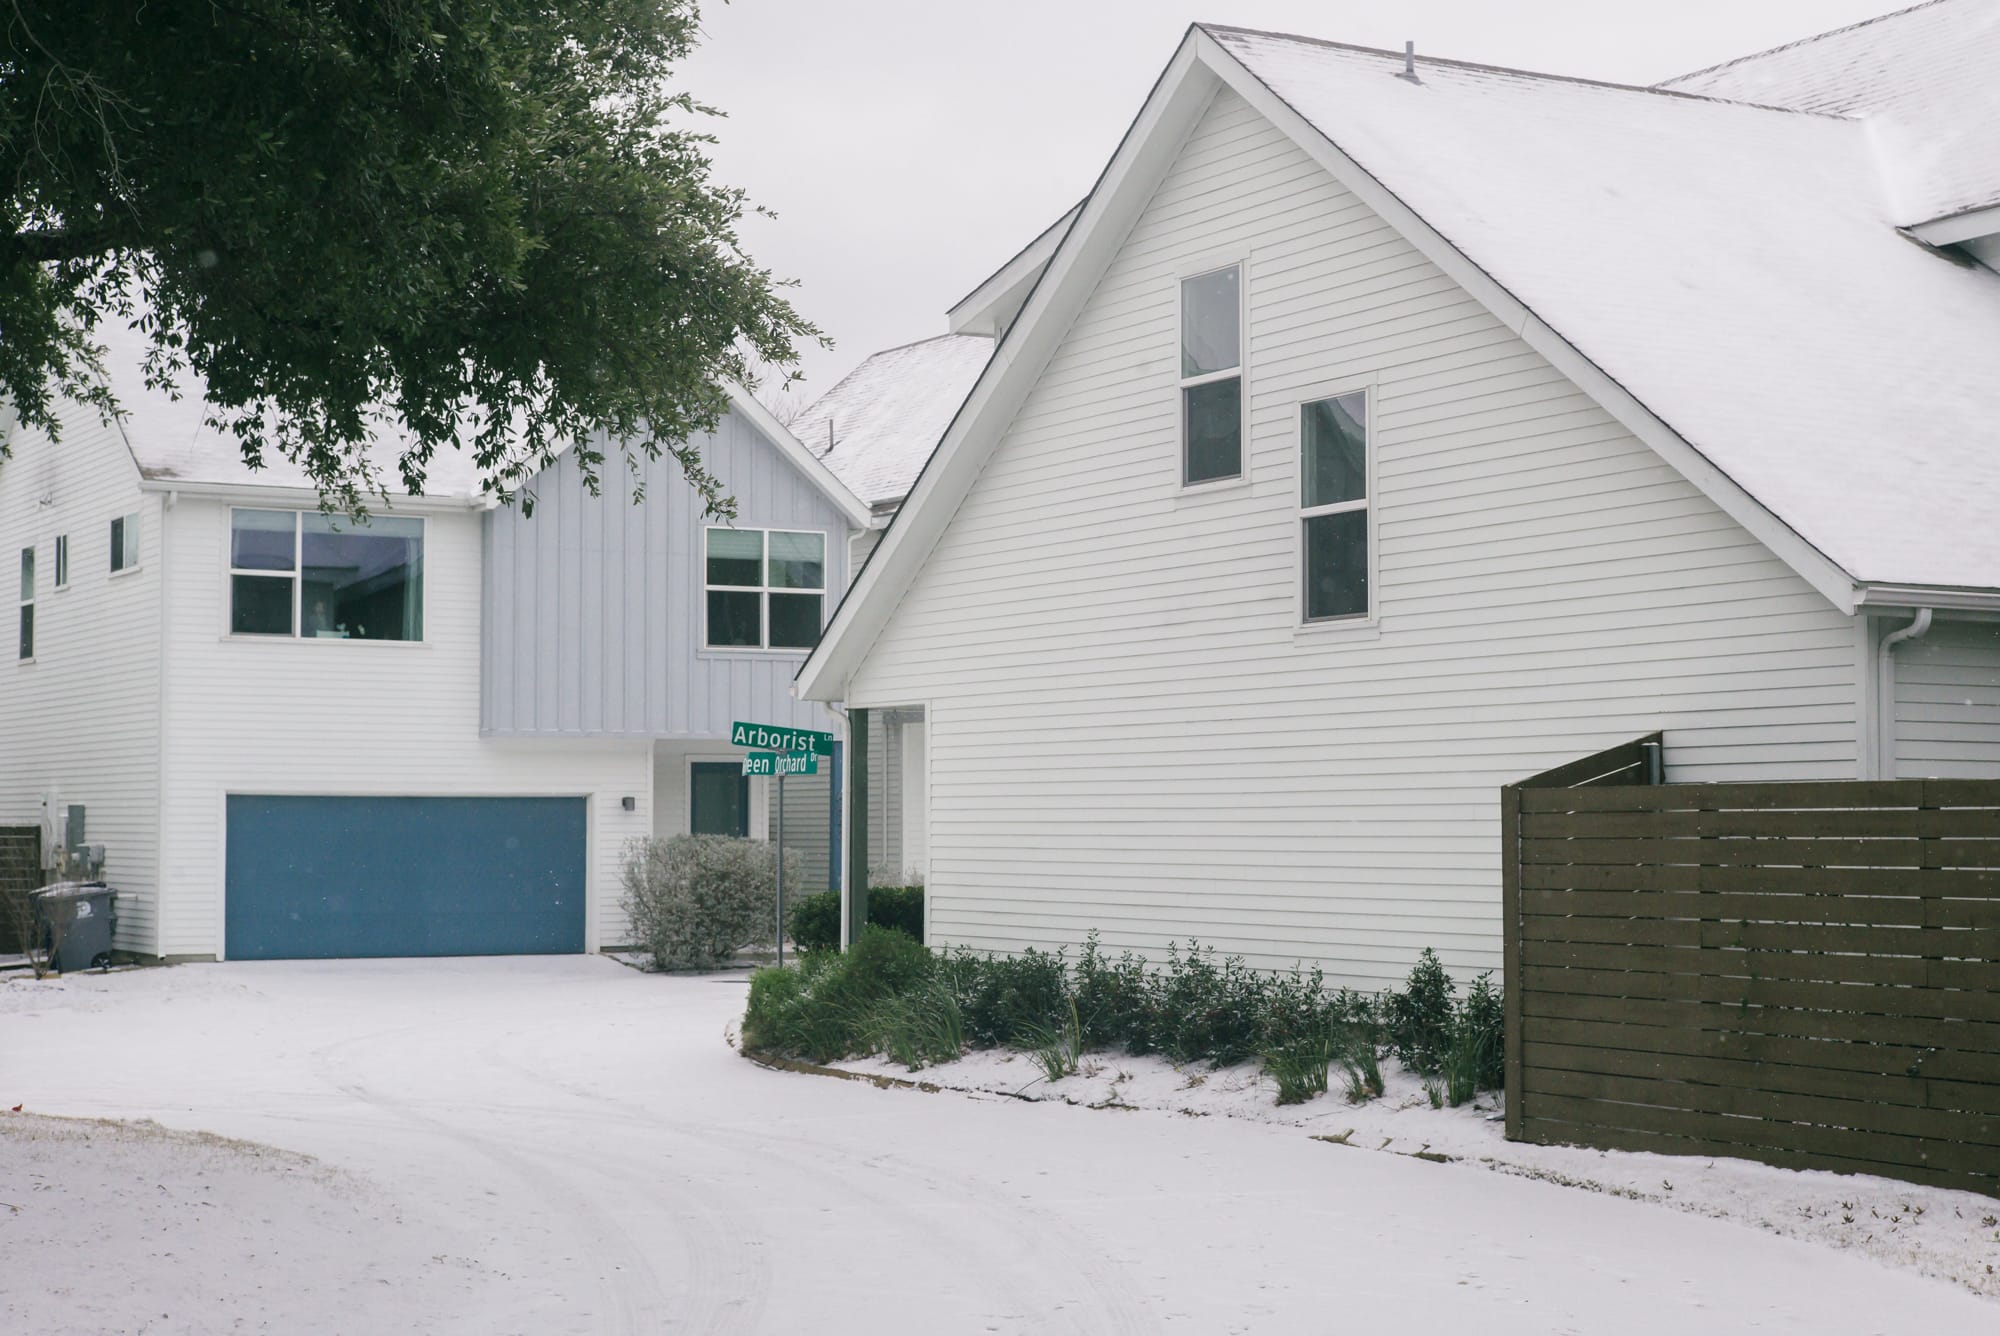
(1950, 1235)
(566, 1145)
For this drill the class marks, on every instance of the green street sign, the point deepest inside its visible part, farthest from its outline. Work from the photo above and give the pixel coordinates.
(765, 737)
(781, 763)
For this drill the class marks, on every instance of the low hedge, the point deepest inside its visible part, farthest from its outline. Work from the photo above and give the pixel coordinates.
(814, 919)
(887, 994)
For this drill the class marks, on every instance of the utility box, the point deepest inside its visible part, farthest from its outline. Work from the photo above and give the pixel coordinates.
(79, 918)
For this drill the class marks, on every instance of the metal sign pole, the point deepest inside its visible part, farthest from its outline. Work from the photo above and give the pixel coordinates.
(781, 869)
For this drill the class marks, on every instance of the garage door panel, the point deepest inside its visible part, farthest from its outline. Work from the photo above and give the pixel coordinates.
(329, 877)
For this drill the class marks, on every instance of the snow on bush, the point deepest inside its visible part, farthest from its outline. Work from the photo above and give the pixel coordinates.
(694, 901)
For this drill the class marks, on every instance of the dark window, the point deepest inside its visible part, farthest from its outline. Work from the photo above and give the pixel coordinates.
(1333, 506)
(27, 603)
(766, 589)
(1211, 379)
(719, 799)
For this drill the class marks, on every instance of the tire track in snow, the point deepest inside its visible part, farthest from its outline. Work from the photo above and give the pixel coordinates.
(636, 1292)
(1048, 1245)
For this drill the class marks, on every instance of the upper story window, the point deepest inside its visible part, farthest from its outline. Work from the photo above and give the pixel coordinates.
(766, 588)
(311, 576)
(27, 603)
(1333, 506)
(62, 561)
(125, 543)
(1211, 381)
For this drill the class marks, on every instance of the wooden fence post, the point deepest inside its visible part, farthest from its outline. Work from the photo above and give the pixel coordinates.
(1510, 959)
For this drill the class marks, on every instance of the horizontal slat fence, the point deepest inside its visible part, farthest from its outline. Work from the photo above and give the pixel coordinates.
(20, 873)
(1803, 974)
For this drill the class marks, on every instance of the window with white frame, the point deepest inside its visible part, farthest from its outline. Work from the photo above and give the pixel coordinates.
(1211, 380)
(27, 603)
(125, 543)
(1333, 506)
(318, 577)
(62, 561)
(766, 588)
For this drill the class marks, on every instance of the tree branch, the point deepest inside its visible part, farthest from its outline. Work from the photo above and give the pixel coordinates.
(43, 245)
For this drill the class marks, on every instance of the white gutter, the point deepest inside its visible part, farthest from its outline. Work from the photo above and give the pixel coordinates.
(1885, 692)
(254, 492)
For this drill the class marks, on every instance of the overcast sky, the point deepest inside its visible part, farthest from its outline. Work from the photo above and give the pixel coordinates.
(909, 147)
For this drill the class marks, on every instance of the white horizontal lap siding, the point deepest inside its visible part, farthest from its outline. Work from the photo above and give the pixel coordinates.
(83, 719)
(1948, 703)
(1130, 733)
(355, 718)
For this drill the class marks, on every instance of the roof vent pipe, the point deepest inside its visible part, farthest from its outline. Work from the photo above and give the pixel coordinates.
(1409, 62)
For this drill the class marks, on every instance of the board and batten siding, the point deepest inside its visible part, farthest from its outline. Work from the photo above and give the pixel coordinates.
(1948, 703)
(353, 717)
(82, 721)
(1130, 732)
(597, 603)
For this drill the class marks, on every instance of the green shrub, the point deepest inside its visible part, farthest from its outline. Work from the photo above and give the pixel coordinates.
(898, 907)
(1208, 1011)
(1006, 998)
(918, 1027)
(1299, 1066)
(814, 921)
(1483, 1015)
(1360, 1065)
(1420, 1018)
(1116, 1002)
(694, 901)
(825, 1007)
(1058, 1051)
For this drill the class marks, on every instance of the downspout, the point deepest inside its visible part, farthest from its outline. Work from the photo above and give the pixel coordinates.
(1885, 695)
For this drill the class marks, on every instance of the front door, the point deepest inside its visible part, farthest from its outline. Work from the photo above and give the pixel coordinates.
(719, 799)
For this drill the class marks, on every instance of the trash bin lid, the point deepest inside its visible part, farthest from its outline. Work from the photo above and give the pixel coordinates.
(73, 890)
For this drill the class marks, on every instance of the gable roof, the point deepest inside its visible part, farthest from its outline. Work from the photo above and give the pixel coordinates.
(1723, 278)
(876, 428)
(175, 448)
(1926, 78)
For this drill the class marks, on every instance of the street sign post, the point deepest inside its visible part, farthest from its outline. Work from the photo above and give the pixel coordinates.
(784, 751)
(770, 737)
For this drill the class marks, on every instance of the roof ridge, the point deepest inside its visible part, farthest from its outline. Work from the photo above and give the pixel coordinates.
(1796, 42)
(1652, 89)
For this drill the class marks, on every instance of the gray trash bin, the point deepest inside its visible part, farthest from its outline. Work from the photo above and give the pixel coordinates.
(81, 916)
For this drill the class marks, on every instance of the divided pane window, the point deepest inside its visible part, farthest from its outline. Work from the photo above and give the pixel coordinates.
(27, 643)
(766, 589)
(62, 561)
(1333, 506)
(1211, 376)
(294, 573)
(125, 543)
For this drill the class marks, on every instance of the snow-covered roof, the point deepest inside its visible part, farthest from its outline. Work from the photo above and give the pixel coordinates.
(876, 428)
(1730, 266)
(1928, 81)
(171, 440)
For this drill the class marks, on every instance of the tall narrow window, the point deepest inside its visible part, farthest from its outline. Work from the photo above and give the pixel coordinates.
(1333, 506)
(27, 603)
(62, 561)
(1212, 376)
(766, 589)
(294, 573)
(125, 543)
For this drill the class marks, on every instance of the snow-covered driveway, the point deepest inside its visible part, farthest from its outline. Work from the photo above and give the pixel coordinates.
(566, 1145)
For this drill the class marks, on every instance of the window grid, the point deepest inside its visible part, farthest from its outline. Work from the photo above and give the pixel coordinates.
(125, 543)
(295, 578)
(27, 619)
(1195, 379)
(764, 589)
(1357, 410)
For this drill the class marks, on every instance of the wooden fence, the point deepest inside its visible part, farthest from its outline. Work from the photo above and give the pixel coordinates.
(20, 872)
(1804, 974)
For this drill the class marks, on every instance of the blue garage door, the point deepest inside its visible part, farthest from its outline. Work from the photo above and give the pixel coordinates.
(312, 878)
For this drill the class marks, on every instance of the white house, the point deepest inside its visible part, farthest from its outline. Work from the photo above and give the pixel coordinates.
(433, 734)
(1384, 429)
